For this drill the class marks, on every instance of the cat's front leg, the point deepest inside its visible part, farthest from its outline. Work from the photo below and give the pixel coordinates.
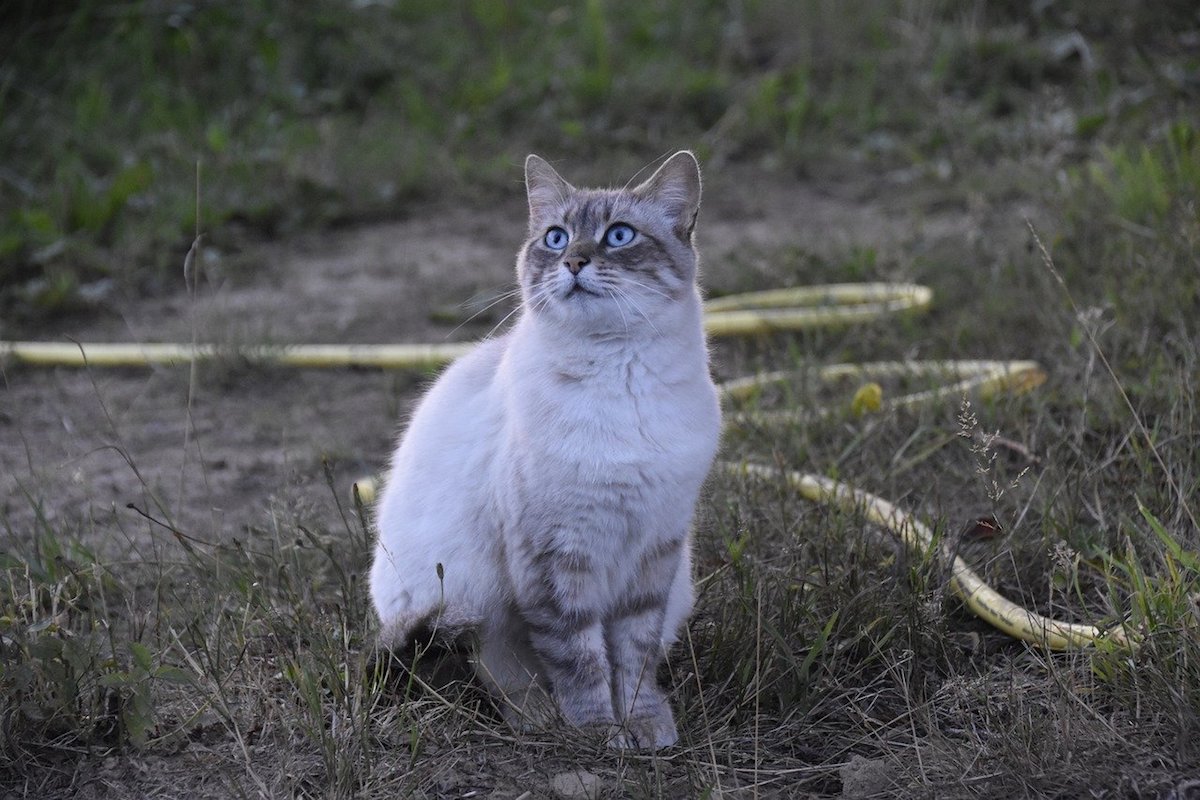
(635, 629)
(635, 645)
(572, 650)
(557, 587)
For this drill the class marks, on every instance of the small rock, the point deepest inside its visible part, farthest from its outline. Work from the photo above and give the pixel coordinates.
(865, 777)
(576, 785)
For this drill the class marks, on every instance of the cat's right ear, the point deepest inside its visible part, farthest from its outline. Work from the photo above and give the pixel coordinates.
(676, 185)
(545, 187)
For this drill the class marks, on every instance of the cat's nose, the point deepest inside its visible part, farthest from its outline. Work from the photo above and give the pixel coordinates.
(576, 263)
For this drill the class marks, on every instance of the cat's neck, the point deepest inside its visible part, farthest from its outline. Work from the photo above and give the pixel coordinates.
(671, 348)
(680, 326)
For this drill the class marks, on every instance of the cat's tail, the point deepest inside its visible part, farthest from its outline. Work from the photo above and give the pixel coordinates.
(411, 601)
(433, 653)
(440, 626)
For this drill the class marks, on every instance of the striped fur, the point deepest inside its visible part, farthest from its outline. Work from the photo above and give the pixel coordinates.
(543, 492)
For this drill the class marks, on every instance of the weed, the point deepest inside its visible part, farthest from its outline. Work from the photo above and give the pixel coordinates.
(1144, 183)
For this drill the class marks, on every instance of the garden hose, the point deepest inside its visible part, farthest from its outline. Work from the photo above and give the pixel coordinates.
(736, 315)
(984, 379)
(809, 307)
(984, 601)
(155, 354)
(748, 314)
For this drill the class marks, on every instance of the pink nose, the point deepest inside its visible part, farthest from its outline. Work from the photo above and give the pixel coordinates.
(576, 263)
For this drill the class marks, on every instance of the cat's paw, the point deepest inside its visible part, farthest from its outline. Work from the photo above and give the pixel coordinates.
(617, 738)
(587, 710)
(652, 732)
(615, 735)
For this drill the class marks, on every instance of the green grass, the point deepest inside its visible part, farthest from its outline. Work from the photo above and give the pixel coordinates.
(349, 111)
(822, 658)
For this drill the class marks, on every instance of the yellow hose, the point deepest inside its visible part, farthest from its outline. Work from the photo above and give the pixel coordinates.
(985, 379)
(810, 307)
(988, 604)
(737, 315)
(385, 356)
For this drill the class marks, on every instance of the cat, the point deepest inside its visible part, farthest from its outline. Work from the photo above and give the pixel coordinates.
(543, 493)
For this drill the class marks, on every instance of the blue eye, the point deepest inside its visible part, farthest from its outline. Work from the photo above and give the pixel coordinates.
(556, 238)
(619, 235)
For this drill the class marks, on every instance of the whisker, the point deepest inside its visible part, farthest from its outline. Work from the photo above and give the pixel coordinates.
(540, 300)
(495, 301)
(505, 319)
(617, 299)
(659, 292)
(639, 310)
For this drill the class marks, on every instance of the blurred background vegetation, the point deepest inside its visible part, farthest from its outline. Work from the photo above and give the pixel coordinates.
(315, 113)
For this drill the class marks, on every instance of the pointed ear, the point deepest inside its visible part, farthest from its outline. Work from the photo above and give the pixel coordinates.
(676, 185)
(545, 187)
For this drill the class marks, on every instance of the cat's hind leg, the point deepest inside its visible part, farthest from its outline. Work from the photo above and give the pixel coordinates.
(507, 665)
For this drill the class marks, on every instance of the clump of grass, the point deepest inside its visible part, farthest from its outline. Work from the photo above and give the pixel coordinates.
(74, 673)
(1146, 183)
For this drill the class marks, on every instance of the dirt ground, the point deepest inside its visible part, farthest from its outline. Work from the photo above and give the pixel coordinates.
(106, 438)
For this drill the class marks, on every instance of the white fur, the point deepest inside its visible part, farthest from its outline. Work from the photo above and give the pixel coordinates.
(645, 413)
(592, 423)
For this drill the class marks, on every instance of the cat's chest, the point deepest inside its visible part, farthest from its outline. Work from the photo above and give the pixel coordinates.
(634, 413)
(617, 397)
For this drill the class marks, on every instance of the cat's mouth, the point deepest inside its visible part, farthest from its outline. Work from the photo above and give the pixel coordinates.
(578, 289)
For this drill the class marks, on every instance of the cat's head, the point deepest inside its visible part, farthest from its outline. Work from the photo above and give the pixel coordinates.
(610, 259)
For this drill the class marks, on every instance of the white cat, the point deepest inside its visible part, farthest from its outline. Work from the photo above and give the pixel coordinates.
(543, 493)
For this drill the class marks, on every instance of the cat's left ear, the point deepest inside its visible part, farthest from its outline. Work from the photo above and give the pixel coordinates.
(545, 187)
(676, 185)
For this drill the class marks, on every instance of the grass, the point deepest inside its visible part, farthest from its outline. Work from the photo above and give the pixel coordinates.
(150, 658)
(359, 110)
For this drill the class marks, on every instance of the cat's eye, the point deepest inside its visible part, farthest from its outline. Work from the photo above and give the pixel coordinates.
(619, 235)
(556, 238)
